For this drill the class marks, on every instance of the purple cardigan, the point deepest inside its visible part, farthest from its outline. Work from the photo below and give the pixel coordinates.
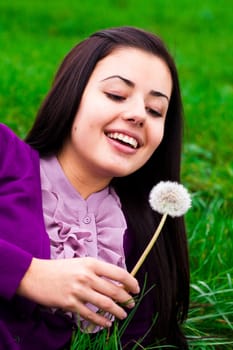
(24, 324)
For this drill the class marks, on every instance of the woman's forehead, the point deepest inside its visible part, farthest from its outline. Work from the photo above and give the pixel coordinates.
(137, 66)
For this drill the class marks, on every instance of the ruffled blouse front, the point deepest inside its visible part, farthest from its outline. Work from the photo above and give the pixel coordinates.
(77, 227)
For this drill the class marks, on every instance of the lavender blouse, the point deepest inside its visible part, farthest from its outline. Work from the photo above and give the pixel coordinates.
(77, 227)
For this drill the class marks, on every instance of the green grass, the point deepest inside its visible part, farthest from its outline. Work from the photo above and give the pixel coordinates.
(35, 36)
(210, 322)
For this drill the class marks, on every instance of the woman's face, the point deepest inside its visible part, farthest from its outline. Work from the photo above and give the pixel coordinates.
(120, 121)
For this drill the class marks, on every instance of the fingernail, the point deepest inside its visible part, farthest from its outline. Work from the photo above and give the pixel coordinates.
(131, 304)
(108, 324)
(124, 315)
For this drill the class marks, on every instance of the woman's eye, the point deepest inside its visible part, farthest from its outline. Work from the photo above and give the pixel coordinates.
(154, 112)
(115, 97)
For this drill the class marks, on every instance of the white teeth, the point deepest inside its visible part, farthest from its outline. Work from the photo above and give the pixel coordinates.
(124, 138)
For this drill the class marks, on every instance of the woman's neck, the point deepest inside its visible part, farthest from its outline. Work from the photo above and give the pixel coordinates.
(84, 181)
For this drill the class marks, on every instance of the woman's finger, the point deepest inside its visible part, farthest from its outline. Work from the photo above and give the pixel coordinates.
(115, 273)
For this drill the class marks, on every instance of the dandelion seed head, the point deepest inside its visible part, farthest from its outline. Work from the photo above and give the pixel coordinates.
(170, 198)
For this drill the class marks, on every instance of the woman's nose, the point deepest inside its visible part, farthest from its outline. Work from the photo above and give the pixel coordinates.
(135, 114)
(137, 121)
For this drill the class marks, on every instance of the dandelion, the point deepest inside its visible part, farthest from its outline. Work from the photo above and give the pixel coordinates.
(170, 198)
(167, 198)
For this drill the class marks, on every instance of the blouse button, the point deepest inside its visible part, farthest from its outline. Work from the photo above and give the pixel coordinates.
(87, 220)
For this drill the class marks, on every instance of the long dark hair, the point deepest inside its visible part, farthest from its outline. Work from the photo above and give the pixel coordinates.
(167, 265)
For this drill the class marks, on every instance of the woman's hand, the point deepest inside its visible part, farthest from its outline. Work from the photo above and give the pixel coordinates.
(69, 284)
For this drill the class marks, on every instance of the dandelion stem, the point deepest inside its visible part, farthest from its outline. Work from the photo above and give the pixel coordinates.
(149, 246)
(90, 328)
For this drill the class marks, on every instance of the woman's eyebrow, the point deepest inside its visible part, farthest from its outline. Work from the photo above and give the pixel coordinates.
(131, 84)
(126, 81)
(158, 94)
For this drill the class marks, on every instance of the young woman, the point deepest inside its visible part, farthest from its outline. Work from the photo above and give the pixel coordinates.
(74, 206)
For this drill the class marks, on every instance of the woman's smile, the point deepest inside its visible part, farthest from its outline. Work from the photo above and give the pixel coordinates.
(123, 139)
